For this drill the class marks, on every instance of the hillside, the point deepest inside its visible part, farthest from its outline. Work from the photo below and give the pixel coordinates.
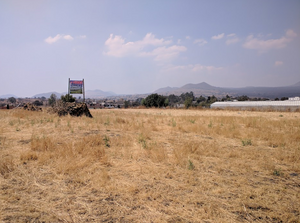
(47, 95)
(166, 89)
(8, 96)
(205, 89)
(98, 94)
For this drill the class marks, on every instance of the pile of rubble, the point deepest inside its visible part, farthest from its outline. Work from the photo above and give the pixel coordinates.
(31, 107)
(71, 108)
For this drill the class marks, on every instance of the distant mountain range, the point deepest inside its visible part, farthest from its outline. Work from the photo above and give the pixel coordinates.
(205, 89)
(47, 95)
(88, 94)
(8, 96)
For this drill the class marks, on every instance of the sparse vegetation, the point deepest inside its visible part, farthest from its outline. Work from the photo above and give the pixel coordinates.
(191, 165)
(106, 141)
(277, 172)
(150, 165)
(247, 142)
(52, 100)
(12, 100)
(68, 98)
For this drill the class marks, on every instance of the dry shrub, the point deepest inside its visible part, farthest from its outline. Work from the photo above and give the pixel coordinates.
(69, 155)
(6, 165)
(156, 153)
(28, 156)
(42, 143)
(21, 113)
(120, 120)
(2, 142)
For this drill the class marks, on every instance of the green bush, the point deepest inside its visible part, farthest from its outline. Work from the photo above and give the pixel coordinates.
(154, 100)
(67, 98)
(246, 142)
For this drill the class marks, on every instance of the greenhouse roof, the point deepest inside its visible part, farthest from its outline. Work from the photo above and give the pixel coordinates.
(255, 103)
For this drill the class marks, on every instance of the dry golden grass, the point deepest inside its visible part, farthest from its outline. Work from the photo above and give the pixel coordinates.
(150, 165)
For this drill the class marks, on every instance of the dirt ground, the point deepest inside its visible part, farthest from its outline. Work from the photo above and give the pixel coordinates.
(150, 165)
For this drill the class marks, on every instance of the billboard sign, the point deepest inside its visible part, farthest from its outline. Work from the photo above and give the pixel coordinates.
(76, 87)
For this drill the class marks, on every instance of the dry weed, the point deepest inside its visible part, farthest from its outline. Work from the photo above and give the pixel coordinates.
(150, 165)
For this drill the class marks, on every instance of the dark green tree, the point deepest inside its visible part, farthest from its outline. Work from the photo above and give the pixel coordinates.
(154, 100)
(188, 102)
(201, 99)
(143, 102)
(52, 100)
(187, 95)
(243, 98)
(37, 103)
(12, 100)
(173, 99)
(166, 103)
(126, 104)
(67, 98)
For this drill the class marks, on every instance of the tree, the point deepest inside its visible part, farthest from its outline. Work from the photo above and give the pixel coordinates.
(166, 103)
(173, 99)
(67, 98)
(126, 104)
(188, 102)
(12, 100)
(52, 100)
(201, 99)
(143, 102)
(37, 103)
(187, 95)
(243, 98)
(154, 100)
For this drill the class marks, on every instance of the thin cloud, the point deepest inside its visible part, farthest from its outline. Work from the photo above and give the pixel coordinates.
(220, 36)
(51, 39)
(232, 38)
(200, 42)
(117, 47)
(165, 53)
(200, 67)
(68, 37)
(193, 68)
(265, 45)
(278, 63)
(231, 35)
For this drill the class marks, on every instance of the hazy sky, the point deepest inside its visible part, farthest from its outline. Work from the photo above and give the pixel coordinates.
(139, 46)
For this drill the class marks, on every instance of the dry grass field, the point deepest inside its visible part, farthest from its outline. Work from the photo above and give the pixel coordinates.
(150, 165)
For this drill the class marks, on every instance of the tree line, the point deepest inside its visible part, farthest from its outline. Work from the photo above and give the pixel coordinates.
(186, 100)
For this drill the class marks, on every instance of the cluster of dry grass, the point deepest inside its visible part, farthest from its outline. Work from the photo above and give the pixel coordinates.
(150, 165)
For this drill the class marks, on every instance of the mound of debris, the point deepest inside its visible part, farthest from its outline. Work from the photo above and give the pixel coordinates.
(71, 108)
(31, 107)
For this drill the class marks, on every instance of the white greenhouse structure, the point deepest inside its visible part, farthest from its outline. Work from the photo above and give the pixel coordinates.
(291, 105)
